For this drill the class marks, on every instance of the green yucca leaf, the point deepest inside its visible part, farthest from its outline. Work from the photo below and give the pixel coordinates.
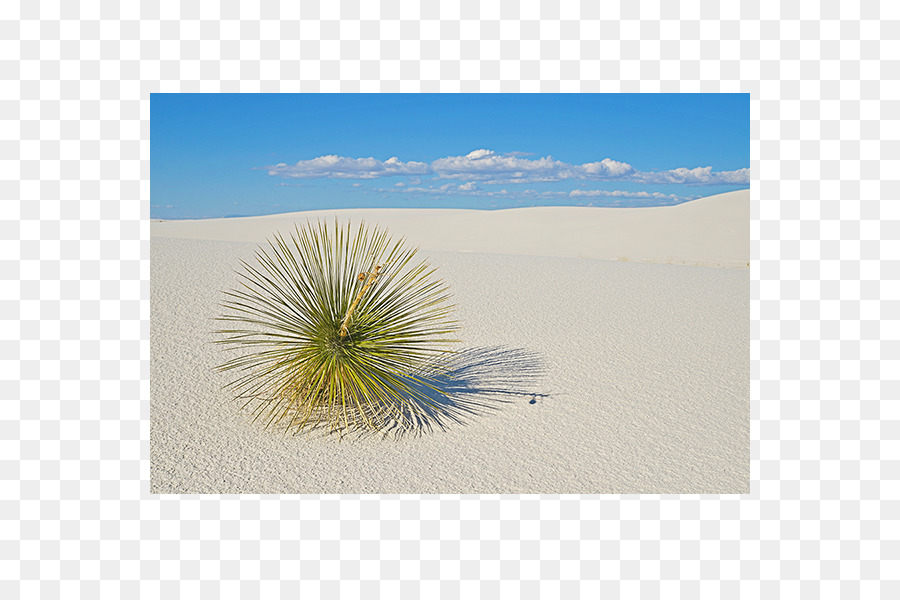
(295, 365)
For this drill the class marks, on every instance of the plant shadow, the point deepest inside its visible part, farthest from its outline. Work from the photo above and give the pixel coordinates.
(472, 383)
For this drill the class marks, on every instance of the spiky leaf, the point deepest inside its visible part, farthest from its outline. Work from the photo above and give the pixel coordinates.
(296, 365)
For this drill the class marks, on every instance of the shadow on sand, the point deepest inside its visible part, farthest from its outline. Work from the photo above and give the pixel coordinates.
(473, 382)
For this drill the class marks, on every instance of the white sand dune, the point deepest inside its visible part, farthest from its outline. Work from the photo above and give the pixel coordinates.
(578, 374)
(712, 231)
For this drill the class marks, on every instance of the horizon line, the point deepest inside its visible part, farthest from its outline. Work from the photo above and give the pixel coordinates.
(305, 210)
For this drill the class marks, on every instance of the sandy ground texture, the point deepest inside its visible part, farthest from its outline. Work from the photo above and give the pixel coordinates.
(577, 375)
(712, 231)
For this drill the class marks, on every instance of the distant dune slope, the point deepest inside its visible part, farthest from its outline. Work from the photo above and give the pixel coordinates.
(711, 231)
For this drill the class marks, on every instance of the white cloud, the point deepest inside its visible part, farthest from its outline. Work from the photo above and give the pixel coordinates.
(696, 176)
(483, 164)
(546, 194)
(467, 189)
(621, 194)
(489, 167)
(472, 190)
(332, 165)
(477, 154)
(606, 168)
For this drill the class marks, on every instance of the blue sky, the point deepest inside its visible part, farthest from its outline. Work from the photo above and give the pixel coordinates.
(215, 155)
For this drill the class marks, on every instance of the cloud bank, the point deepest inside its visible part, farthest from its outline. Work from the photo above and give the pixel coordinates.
(488, 167)
(342, 167)
(470, 189)
(698, 176)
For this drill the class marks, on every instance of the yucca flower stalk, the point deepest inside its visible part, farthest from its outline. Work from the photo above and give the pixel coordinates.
(338, 327)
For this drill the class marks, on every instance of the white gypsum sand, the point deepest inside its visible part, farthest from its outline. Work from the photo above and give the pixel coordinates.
(713, 231)
(589, 365)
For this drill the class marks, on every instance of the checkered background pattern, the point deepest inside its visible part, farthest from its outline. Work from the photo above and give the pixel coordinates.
(77, 519)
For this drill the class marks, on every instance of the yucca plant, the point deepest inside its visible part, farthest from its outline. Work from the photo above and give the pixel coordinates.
(338, 327)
